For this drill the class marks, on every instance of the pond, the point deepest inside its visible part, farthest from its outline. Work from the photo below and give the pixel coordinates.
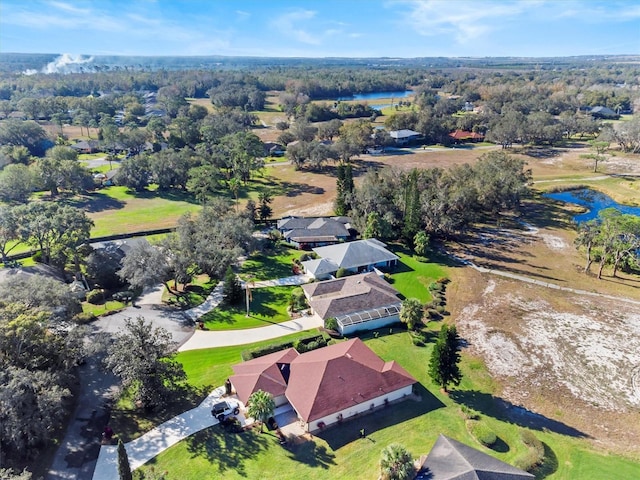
(378, 95)
(593, 200)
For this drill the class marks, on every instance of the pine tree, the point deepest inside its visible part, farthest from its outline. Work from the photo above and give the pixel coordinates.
(232, 289)
(339, 207)
(443, 366)
(411, 208)
(124, 469)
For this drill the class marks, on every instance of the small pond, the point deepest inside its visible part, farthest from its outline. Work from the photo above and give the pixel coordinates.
(593, 200)
(378, 95)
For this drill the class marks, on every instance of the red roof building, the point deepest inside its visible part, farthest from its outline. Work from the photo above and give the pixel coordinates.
(269, 373)
(463, 135)
(326, 385)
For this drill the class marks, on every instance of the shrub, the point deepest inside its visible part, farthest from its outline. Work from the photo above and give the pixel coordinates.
(436, 287)
(443, 280)
(342, 272)
(95, 297)
(440, 309)
(481, 432)
(276, 347)
(418, 338)
(469, 413)
(535, 454)
(83, 318)
(434, 314)
(331, 323)
(297, 301)
(305, 257)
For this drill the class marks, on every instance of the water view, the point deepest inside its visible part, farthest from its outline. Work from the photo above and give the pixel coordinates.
(593, 200)
(378, 95)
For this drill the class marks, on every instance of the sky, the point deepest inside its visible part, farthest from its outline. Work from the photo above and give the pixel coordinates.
(322, 28)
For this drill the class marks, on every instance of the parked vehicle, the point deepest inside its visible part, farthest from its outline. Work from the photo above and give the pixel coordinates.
(222, 410)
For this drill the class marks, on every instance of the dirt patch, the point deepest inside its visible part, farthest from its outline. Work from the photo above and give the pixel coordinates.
(570, 359)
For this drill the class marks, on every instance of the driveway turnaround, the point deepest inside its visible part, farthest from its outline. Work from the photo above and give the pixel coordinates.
(146, 447)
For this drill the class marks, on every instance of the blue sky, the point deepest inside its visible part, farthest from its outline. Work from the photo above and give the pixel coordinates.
(322, 28)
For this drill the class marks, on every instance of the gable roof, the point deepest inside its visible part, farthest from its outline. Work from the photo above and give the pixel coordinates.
(452, 460)
(333, 378)
(402, 134)
(350, 294)
(269, 373)
(320, 267)
(356, 254)
(301, 229)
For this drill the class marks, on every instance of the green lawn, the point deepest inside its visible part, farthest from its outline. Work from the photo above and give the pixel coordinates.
(118, 210)
(268, 265)
(413, 277)
(97, 310)
(267, 306)
(339, 453)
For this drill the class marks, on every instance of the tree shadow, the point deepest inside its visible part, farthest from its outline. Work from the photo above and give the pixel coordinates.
(224, 450)
(506, 411)
(500, 446)
(349, 430)
(550, 464)
(312, 454)
(94, 202)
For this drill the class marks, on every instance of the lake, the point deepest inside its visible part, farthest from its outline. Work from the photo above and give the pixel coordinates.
(378, 95)
(593, 200)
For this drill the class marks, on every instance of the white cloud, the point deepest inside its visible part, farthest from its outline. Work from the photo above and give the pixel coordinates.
(466, 20)
(70, 8)
(290, 24)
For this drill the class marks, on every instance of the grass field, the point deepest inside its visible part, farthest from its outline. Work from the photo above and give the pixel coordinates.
(268, 306)
(413, 277)
(339, 453)
(118, 210)
(275, 263)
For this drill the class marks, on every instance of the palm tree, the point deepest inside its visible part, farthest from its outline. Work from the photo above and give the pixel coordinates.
(396, 463)
(261, 406)
(411, 312)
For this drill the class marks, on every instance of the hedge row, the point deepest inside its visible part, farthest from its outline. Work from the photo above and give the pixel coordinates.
(303, 344)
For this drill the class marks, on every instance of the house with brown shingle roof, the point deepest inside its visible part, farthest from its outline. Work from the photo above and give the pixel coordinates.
(334, 383)
(269, 373)
(358, 302)
(330, 384)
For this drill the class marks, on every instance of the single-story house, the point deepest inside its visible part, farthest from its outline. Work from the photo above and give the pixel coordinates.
(603, 112)
(356, 257)
(404, 136)
(331, 384)
(465, 136)
(273, 149)
(86, 146)
(307, 233)
(452, 460)
(358, 302)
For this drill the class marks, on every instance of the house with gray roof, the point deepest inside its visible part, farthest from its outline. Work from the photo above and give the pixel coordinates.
(355, 257)
(453, 460)
(357, 302)
(603, 112)
(404, 136)
(307, 233)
